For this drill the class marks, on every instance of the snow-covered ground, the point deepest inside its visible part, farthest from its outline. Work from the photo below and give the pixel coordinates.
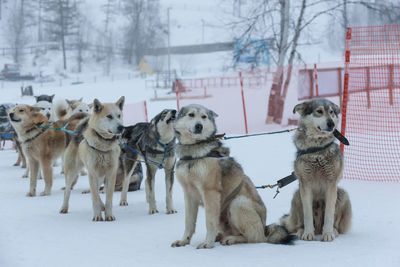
(33, 233)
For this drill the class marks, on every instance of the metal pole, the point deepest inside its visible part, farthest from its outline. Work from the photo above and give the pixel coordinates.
(202, 31)
(169, 55)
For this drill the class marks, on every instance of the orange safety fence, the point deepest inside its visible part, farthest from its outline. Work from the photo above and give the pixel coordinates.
(371, 103)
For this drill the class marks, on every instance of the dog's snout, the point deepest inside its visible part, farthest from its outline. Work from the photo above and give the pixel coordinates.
(198, 128)
(330, 124)
(173, 112)
(120, 128)
(11, 115)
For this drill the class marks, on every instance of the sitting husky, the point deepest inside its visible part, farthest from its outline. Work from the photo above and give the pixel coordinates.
(95, 145)
(41, 146)
(210, 177)
(319, 206)
(155, 141)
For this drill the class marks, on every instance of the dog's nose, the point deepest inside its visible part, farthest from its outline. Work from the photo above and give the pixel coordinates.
(120, 128)
(11, 115)
(330, 124)
(173, 112)
(198, 128)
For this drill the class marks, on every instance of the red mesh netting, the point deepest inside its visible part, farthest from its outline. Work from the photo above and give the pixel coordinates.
(371, 103)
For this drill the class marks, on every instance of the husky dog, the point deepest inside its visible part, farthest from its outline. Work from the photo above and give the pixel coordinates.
(46, 109)
(95, 145)
(155, 141)
(41, 146)
(63, 109)
(234, 211)
(319, 206)
(47, 98)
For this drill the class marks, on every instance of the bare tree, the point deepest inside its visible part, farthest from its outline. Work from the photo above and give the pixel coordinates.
(62, 21)
(15, 31)
(142, 29)
(261, 22)
(110, 10)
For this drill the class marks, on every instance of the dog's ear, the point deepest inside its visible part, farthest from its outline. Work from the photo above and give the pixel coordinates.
(120, 102)
(80, 99)
(182, 112)
(37, 98)
(301, 108)
(336, 109)
(90, 105)
(51, 98)
(69, 102)
(97, 106)
(212, 114)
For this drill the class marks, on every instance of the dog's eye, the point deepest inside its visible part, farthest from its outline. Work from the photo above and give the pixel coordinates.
(204, 117)
(331, 112)
(320, 112)
(191, 115)
(110, 117)
(80, 110)
(119, 116)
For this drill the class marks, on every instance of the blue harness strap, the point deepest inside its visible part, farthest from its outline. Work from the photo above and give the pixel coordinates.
(158, 164)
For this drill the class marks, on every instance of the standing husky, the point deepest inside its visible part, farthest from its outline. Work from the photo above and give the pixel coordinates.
(319, 206)
(210, 177)
(40, 146)
(95, 145)
(155, 141)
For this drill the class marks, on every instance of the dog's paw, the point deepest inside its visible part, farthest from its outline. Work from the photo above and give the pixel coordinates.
(123, 203)
(228, 240)
(45, 193)
(30, 194)
(63, 210)
(87, 191)
(171, 211)
(180, 243)
(98, 218)
(308, 237)
(16, 164)
(110, 218)
(153, 211)
(206, 245)
(300, 233)
(328, 236)
(25, 176)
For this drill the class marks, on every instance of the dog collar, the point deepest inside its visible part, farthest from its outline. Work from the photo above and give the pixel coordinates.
(313, 149)
(94, 148)
(34, 137)
(211, 154)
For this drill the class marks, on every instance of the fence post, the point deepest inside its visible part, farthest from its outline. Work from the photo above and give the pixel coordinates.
(243, 103)
(177, 94)
(316, 80)
(145, 111)
(345, 85)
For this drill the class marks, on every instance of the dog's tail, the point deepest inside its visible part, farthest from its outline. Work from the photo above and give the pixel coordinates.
(60, 109)
(277, 234)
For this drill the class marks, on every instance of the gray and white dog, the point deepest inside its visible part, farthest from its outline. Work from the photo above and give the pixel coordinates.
(319, 206)
(153, 143)
(235, 212)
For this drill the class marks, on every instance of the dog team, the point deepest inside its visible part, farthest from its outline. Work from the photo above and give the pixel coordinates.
(93, 137)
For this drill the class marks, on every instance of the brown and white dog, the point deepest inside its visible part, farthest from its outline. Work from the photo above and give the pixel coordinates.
(41, 146)
(95, 145)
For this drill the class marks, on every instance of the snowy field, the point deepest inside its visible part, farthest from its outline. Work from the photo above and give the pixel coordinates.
(33, 233)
